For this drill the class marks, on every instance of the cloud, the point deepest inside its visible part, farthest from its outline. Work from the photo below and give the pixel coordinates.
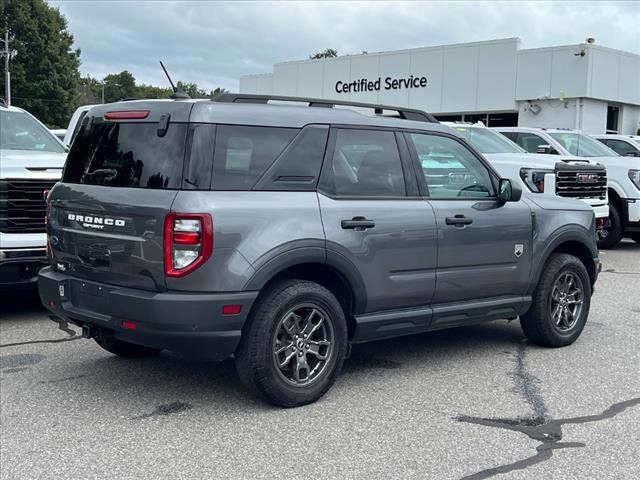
(214, 43)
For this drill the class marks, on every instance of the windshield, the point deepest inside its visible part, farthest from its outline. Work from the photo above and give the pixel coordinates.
(488, 141)
(582, 145)
(19, 131)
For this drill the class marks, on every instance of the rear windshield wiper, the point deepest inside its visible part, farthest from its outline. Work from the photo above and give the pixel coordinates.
(106, 173)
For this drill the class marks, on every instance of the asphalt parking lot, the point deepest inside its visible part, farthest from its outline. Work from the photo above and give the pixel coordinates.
(465, 403)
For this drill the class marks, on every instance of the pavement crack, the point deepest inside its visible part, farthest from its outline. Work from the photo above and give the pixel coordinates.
(616, 272)
(166, 409)
(527, 385)
(548, 434)
(539, 427)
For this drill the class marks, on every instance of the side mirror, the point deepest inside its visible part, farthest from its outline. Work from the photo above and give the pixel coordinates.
(548, 149)
(509, 191)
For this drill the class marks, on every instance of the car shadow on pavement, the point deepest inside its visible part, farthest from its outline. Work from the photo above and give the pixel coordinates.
(216, 385)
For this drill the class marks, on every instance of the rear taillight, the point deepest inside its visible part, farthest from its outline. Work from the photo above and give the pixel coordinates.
(188, 242)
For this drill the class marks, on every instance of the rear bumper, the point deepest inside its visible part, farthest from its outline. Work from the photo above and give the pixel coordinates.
(191, 324)
(19, 267)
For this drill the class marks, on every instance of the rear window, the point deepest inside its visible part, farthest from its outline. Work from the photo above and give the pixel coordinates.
(242, 154)
(127, 155)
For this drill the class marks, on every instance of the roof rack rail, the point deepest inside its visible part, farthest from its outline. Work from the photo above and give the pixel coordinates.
(404, 113)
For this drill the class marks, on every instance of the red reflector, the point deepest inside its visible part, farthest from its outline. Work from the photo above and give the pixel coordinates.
(231, 309)
(127, 115)
(129, 325)
(186, 238)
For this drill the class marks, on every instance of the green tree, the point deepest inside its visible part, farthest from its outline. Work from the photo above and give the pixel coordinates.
(218, 91)
(118, 86)
(150, 91)
(45, 78)
(328, 53)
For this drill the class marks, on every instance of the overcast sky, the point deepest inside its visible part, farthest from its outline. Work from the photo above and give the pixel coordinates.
(214, 43)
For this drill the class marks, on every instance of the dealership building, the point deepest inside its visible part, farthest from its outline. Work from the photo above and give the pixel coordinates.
(585, 86)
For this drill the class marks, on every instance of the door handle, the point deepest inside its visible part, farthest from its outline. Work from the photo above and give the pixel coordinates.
(458, 220)
(357, 223)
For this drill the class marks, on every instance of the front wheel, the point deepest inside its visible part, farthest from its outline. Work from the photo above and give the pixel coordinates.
(294, 344)
(560, 304)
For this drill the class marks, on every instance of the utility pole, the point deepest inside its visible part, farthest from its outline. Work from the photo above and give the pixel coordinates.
(7, 74)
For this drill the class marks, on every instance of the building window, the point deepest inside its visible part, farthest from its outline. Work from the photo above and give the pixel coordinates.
(449, 118)
(613, 112)
(503, 120)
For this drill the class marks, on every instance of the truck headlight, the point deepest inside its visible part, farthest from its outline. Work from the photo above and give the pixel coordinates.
(534, 178)
(634, 176)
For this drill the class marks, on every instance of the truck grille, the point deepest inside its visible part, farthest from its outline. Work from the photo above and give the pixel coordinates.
(22, 206)
(581, 182)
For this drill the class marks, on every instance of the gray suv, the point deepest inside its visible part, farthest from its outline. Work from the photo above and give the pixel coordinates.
(282, 233)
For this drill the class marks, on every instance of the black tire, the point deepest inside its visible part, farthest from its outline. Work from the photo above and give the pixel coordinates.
(256, 356)
(538, 323)
(636, 237)
(614, 231)
(126, 349)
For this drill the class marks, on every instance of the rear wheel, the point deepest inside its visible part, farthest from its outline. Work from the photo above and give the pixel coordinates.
(611, 235)
(294, 344)
(126, 349)
(561, 303)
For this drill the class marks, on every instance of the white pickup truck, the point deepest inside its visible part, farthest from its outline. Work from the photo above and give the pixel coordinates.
(540, 173)
(31, 161)
(623, 174)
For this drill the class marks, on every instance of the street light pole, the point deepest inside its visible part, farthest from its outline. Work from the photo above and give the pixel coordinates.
(7, 74)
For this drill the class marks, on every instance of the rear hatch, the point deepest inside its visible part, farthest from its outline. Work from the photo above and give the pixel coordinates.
(122, 174)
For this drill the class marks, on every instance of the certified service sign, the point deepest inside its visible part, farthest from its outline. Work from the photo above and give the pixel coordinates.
(388, 83)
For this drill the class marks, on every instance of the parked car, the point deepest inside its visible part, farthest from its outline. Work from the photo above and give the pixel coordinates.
(538, 173)
(281, 234)
(75, 122)
(623, 175)
(59, 133)
(624, 145)
(31, 161)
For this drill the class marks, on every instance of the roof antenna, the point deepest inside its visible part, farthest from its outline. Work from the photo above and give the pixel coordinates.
(177, 93)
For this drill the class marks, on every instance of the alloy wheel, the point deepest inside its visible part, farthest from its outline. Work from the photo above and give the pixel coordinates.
(566, 301)
(303, 344)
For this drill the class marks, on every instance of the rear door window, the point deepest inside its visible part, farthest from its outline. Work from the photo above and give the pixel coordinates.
(366, 163)
(530, 142)
(242, 154)
(124, 154)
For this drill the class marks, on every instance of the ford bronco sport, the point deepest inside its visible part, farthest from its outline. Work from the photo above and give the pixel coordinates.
(281, 234)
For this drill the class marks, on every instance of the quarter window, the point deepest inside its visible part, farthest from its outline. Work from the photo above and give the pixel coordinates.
(242, 154)
(450, 169)
(366, 163)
